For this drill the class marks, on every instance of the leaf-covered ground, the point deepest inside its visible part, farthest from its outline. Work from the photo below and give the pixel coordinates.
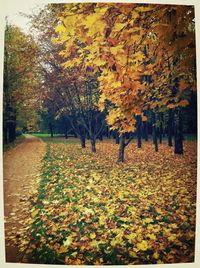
(91, 210)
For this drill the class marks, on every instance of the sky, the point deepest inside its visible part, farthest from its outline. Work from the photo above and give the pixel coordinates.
(13, 8)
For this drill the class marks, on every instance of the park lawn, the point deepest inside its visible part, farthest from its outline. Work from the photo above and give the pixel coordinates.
(91, 210)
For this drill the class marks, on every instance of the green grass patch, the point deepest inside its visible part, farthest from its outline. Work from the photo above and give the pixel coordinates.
(57, 138)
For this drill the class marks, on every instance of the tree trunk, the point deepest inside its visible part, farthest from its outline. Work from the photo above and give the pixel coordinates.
(160, 133)
(139, 131)
(100, 137)
(121, 148)
(51, 129)
(154, 132)
(5, 134)
(161, 128)
(117, 137)
(178, 135)
(82, 139)
(145, 130)
(93, 144)
(66, 131)
(11, 131)
(169, 127)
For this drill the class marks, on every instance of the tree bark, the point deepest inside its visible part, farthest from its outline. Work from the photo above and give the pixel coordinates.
(51, 129)
(5, 134)
(154, 132)
(178, 135)
(100, 137)
(66, 131)
(82, 139)
(145, 130)
(117, 137)
(169, 127)
(139, 131)
(160, 133)
(93, 144)
(11, 131)
(121, 148)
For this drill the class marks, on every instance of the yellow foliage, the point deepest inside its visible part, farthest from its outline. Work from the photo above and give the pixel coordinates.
(117, 49)
(156, 255)
(34, 213)
(142, 246)
(147, 220)
(151, 236)
(92, 235)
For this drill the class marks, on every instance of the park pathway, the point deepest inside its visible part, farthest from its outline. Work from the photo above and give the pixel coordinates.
(21, 171)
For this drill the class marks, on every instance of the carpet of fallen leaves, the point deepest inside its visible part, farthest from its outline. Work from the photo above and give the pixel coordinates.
(91, 210)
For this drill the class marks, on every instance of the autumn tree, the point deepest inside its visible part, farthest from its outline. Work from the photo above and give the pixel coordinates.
(20, 89)
(141, 51)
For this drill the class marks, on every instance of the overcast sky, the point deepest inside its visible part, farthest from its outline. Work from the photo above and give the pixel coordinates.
(12, 9)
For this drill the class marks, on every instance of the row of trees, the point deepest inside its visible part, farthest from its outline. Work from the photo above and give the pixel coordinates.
(21, 83)
(143, 57)
(127, 67)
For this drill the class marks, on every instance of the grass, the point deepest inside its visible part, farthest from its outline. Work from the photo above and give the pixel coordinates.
(58, 138)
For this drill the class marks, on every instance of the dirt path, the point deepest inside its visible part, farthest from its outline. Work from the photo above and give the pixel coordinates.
(21, 169)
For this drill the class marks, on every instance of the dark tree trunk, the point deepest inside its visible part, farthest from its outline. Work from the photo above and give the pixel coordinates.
(160, 133)
(139, 131)
(82, 139)
(169, 127)
(66, 131)
(100, 137)
(117, 137)
(154, 132)
(121, 148)
(145, 130)
(161, 128)
(93, 144)
(11, 131)
(178, 135)
(5, 134)
(108, 133)
(51, 129)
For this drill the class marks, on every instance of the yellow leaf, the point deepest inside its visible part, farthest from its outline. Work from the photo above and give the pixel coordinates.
(151, 236)
(102, 220)
(60, 29)
(173, 225)
(62, 249)
(99, 62)
(147, 220)
(116, 50)
(143, 245)
(92, 235)
(159, 262)
(34, 213)
(116, 84)
(74, 254)
(158, 210)
(131, 237)
(132, 254)
(156, 255)
(172, 237)
(118, 27)
(67, 242)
